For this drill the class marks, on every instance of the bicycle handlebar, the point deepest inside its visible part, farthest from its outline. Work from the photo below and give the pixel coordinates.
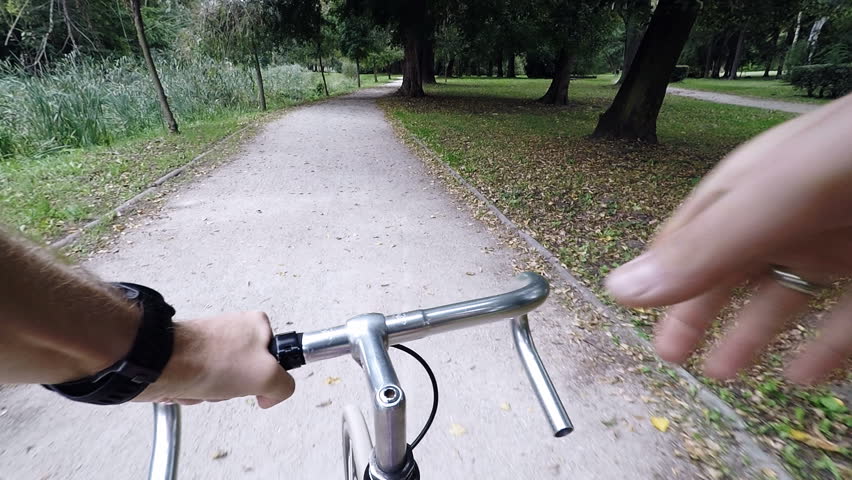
(366, 338)
(295, 349)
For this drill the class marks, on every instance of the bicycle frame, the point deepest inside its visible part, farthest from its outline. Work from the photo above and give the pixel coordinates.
(366, 338)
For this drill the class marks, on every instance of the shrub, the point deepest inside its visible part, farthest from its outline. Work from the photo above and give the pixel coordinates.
(679, 73)
(823, 80)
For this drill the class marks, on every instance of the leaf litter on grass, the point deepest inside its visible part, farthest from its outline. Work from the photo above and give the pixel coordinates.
(596, 204)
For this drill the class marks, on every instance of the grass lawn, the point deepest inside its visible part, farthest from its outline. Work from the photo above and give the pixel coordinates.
(47, 197)
(751, 87)
(596, 203)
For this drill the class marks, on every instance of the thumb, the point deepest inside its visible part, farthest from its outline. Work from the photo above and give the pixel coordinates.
(729, 237)
(280, 387)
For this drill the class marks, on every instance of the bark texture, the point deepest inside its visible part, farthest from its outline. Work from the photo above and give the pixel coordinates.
(557, 92)
(633, 113)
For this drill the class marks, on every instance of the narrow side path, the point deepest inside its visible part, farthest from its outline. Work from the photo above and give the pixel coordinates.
(325, 215)
(715, 97)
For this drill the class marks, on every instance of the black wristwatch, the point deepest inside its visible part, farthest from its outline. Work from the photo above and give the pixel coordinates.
(151, 351)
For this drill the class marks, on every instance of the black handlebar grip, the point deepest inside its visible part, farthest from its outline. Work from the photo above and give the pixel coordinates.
(287, 349)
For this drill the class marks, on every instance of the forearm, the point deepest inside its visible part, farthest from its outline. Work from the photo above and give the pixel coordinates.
(56, 324)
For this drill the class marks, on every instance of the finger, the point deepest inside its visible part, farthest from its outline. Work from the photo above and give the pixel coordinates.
(717, 243)
(684, 324)
(757, 324)
(829, 350)
(279, 388)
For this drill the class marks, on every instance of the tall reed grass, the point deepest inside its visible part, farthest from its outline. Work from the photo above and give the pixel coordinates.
(84, 102)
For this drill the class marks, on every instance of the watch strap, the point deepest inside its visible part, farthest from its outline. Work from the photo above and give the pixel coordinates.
(142, 366)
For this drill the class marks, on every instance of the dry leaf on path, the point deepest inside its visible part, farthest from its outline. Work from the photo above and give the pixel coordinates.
(220, 454)
(660, 423)
(457, 430)
(332, 380)
(812, 441)
(505, 406)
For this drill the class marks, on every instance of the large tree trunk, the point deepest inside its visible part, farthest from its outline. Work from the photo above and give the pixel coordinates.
(510, 66)
(168, 117)
(427, 60)
(490, 68)
(773, 51)
(738, 55)
(634, 28)
(412, 81)
(258, 76)
(358, 71)
(322, 71)
(731, 51)
(448, 71)
(557, 93)
(499, 63)
(633, 113)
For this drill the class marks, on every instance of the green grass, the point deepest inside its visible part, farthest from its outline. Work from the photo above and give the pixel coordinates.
(46, 196)
(751, 87)
(596, 203)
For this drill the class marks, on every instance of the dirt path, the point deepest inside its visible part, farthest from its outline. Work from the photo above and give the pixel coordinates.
(324, 215)
(715, 97)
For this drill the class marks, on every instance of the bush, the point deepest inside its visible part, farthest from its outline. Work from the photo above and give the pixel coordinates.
(679, 73)
(823, 80)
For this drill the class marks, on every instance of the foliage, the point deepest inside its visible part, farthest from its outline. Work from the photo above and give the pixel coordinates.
(831, 81)
(679, 73)
(85, 102)
(752, 86)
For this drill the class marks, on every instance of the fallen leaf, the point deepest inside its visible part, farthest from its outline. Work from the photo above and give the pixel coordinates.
(812, 441)
(332, 380)
(505, 406)
(220, 454)
(660, 423)
(457, 430)
(610, 423)
(324, 404)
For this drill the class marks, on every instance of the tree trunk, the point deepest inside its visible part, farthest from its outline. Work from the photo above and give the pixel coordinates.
(633, 31)
(358, 72)
(490, 68)
(322, 72)
(798, 28)
(375, 73)
(389, 73)
(68, 25)
(633, 113)
(427, 60)
(814, 36)
(731, 50)
(738, 54)
(451, 65)
(708, 62)
(510, 66)
(258, 76)
(783, 54)
(557, 92)
(168, 117)
(499, 63)
(773, 51)
(412, 81)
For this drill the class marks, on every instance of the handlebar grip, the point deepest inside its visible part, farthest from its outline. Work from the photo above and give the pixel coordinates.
(287, 349)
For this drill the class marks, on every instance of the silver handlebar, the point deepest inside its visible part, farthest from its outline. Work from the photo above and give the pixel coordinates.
(366, 338)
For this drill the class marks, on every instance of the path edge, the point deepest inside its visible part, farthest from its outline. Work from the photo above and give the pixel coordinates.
(745, 440)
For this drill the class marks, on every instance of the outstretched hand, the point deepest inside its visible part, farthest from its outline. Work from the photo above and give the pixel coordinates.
(785, 198)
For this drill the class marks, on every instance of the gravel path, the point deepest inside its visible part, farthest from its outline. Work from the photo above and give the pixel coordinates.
(324, 215)
(781, 106)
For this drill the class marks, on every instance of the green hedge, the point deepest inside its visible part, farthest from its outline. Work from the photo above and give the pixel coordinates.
(679, 73)
(823, 80)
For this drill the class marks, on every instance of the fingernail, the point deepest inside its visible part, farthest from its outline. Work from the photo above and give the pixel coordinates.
(634, 278)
